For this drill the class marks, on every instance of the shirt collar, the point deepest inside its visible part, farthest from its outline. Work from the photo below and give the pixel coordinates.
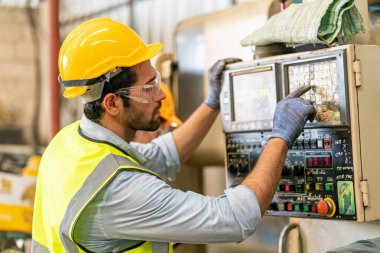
(98, 132)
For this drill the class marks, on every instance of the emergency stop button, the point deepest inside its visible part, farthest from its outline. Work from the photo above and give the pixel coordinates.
(326, 207)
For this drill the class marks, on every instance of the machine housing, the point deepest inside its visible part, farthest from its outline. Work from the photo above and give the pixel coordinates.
(331, 170)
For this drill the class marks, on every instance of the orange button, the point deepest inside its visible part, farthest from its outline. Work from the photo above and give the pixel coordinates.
(323, 208)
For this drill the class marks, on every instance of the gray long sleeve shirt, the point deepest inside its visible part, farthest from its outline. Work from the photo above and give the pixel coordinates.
(138, 206)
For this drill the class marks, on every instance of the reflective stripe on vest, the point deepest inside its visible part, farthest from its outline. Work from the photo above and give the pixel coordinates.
(66, 187)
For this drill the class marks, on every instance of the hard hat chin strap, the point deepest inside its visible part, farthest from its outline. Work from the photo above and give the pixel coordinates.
(94, 91)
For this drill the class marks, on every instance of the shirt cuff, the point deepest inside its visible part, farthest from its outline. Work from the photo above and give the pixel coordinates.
(245, 207)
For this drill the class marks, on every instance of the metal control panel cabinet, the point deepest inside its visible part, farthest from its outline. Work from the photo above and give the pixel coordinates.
(331, 171)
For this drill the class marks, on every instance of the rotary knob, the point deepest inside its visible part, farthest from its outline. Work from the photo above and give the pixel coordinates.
(326, 207)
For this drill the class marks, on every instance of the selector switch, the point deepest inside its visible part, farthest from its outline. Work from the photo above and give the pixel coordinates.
(313, 144)
(299, 170)
(306, 144)
(300, 144)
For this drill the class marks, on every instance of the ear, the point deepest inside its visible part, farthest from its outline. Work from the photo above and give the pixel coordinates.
(112, 103)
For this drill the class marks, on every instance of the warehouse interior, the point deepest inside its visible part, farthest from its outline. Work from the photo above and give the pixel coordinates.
(195, 34)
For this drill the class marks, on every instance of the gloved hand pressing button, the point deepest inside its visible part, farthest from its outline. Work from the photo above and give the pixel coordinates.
(291, 115)
(215, 83)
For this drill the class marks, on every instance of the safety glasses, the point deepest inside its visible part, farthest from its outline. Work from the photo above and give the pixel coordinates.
(146, 93)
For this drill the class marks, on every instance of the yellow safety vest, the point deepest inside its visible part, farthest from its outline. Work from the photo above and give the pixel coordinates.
(73, 170)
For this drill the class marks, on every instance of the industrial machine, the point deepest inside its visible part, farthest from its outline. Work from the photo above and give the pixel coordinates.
(331, 170)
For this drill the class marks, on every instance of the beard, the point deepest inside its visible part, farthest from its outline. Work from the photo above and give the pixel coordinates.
(138, 121)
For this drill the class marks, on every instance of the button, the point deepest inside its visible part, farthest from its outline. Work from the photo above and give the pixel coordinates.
(318, 186)
(297, 207)
(326, 207)
(323, 208)
(281, 206)
(314, 208)
(329, 187)
(327, 142)
(306, 208)
(320, 144)
(278, 188)
(289, 207)
(287, 188)
(309, 186)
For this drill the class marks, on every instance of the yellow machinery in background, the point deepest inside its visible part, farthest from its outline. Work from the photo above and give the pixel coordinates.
(17, 192)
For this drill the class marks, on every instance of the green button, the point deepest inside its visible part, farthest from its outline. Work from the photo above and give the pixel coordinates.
(306, 208)
(278, 188)
(296, 207)
(328, 187)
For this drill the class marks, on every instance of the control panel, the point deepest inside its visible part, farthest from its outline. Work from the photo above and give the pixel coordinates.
(331, 170)
(317, 179)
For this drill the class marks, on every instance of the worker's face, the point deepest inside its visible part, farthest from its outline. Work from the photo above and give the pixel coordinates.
(144, 116)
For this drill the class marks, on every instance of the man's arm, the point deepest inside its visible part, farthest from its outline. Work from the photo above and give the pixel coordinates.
(289, 119)
(266, 174)
(188, 136)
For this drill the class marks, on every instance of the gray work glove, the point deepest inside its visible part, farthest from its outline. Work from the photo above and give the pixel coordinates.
(291, 115)
(215, 82)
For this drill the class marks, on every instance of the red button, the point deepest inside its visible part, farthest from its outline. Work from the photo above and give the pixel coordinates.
(289, 207)
(287, 188)
(323, 208)
(314, 208)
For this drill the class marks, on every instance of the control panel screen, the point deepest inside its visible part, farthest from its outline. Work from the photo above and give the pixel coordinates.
(324, 93)
(255, 97)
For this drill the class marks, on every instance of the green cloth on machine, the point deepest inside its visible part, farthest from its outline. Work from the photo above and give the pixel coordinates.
(320, 21)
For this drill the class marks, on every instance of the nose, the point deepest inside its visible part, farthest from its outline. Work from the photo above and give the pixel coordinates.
(161, 95)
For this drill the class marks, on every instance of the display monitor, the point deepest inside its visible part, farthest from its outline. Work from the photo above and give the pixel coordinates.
(254, 98)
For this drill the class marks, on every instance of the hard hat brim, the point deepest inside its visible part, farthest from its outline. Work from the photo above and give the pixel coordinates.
(73, 92)
(152, 50)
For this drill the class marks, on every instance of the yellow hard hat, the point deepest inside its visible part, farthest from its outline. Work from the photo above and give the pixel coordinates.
(98, 47)
(167, 108)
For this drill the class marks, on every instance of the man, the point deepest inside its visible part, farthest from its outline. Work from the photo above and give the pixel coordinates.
(94, 191)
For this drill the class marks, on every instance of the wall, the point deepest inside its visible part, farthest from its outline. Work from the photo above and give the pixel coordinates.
(17, 72)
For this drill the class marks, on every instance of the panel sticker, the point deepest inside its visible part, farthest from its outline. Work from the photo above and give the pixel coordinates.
(346, 198)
